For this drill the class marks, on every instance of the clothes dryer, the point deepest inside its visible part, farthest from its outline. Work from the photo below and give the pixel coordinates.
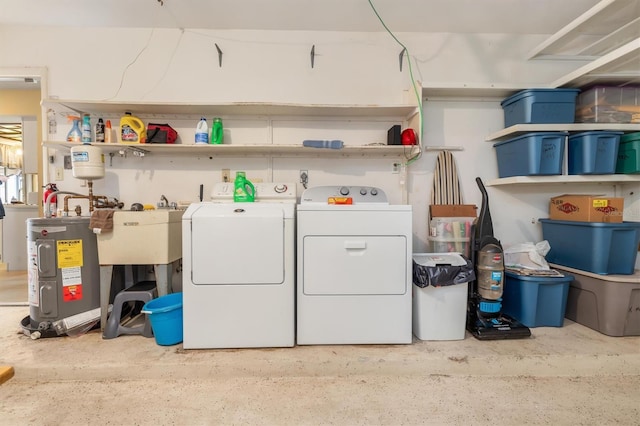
(354, 260)
(239, 269)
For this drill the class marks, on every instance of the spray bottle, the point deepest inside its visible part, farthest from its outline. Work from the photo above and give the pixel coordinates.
(75, 134)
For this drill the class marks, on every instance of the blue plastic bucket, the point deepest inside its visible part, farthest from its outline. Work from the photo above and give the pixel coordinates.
(165, 314)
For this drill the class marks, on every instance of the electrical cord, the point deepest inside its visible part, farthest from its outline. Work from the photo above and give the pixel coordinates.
(411, 158)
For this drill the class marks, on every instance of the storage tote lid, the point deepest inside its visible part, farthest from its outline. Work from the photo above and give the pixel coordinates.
(530, 135)
(539, 279)
(435, 259)
(529, 92)
(630, 137)
(594, 133)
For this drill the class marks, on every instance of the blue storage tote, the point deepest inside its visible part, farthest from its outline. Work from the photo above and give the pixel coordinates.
(536, 153)
(593, 152)
(540, 106)
(536, 301)
(629, 153)
(602, 248)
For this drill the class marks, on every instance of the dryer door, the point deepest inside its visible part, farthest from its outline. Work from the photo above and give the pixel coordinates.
(354, 265)
(237, 244)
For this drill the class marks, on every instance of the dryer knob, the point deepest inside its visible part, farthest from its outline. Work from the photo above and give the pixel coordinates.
(363, 191)
(374, 192)
(344, 190)
(280, 188)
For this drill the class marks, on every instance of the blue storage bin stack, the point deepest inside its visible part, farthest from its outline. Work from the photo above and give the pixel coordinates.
(535, 153)
(593, 152)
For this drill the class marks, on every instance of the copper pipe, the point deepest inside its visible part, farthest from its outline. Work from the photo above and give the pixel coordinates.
(93, 199)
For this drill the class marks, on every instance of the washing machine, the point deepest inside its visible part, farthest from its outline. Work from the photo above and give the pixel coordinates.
(354, 263)
(239, 269)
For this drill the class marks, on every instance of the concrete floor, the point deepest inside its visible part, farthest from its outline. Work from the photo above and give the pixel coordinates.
(570, 375)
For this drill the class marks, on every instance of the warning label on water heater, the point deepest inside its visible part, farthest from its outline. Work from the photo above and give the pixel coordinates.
(69, 253)
(71, 284)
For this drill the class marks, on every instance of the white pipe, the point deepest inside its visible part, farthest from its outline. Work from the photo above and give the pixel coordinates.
(47, 202)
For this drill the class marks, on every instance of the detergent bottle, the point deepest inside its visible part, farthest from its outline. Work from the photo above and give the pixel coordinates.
(132, 129)
(244, 191)
(217, 131)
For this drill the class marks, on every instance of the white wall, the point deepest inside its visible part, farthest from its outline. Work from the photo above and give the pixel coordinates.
(350, 68)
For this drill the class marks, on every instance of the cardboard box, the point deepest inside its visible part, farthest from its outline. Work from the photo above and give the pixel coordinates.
(586, 208)
(452, 210)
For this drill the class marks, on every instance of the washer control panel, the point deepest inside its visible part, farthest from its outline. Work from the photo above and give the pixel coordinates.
(343, 195)
(265, 191)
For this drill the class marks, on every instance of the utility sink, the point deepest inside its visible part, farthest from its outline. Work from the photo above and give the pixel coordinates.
(142, 237)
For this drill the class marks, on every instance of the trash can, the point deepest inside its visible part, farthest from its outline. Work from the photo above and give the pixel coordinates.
(440, 292)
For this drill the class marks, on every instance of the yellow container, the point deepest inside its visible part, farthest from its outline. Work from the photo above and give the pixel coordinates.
(132, 129)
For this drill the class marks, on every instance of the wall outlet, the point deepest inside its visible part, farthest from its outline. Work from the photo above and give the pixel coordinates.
(304, 176)
(395, 167)
(226, 175)
(59, 173)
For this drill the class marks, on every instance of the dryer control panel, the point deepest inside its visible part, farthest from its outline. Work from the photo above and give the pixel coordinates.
(343, 195)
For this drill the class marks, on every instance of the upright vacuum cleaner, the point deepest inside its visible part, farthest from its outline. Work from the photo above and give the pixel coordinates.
(485, 319)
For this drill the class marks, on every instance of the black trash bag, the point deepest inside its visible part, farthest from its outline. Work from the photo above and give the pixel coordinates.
(442, 275)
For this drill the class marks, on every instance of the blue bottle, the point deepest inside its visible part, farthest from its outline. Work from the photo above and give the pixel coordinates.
(86, 128)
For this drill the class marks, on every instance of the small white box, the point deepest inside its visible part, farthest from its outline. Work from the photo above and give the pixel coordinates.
(440, 313)
(148, 237)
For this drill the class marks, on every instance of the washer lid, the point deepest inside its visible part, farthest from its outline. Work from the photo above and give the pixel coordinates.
(238, 244)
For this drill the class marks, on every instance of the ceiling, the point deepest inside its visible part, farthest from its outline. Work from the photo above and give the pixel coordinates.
(456, 16)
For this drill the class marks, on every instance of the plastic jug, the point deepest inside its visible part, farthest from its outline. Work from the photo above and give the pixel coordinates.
(202, 132)
(244, 191)
(132, 129)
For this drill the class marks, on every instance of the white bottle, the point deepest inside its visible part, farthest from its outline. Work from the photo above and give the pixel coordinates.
(202, 132)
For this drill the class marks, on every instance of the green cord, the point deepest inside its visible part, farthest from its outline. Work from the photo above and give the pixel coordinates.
(413, 83)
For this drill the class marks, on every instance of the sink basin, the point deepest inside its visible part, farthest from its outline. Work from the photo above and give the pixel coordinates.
(142, 237)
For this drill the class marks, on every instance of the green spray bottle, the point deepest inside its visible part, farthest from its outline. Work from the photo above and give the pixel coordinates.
(244, 191)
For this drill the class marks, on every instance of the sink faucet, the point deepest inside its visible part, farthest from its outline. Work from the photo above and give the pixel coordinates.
(163, 201)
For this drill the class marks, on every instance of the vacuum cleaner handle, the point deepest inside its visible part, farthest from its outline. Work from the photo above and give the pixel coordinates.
(485, 224)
